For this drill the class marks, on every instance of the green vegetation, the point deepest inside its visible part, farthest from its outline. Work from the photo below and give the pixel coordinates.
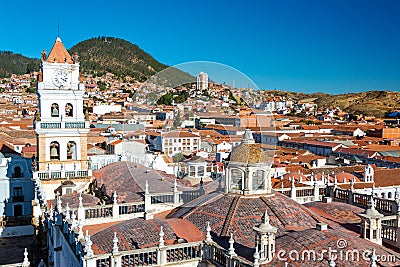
(122, 58)
(178, 157)
(177, 98)
(177, 121)
(11, 63)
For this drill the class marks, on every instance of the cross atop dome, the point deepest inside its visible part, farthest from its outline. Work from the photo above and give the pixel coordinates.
(59, 54)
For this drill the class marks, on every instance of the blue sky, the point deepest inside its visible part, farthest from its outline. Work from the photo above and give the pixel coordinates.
(332, 46)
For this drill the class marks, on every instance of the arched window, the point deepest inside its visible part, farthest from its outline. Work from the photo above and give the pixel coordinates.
(200, 171)
(71, 150)
(55, 110)
(236, 179)
(192, 171)
(54, 151)
(17, 172)
(69, 110)
(258, 180)
(389, 194)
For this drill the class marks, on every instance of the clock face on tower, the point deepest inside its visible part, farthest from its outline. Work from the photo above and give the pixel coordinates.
(60, 78)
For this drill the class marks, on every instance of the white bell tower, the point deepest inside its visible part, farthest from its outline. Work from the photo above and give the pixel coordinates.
(60, 124)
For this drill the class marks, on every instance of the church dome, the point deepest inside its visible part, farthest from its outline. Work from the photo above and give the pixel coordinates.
(295, 223)
(248, 152)
(239, 214)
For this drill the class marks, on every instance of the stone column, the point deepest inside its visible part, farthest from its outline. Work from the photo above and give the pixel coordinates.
(176, 193)
(147, 203)
(293, 191)
(115, 207)
(81, 209)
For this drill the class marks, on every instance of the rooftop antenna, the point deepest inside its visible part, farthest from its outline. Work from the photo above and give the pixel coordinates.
(58, 30)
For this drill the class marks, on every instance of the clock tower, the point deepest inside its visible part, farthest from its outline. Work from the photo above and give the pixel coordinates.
(60, 124)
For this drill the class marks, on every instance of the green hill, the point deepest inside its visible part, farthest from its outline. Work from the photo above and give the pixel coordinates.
(11, 63)
(122, 58)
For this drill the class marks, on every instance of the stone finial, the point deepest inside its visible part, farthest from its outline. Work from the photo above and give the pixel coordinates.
(396, 194)
(352, 182)
(51, 214)
(80, 200)
(146, 191)
(373, 258)
(335, 182)
(175, 186)
(88, 247)
(292, 184)
(35, 199)
(115, 197)
(59, 202)
(80, 230)
(371, 203)
(231, 250)
(208, 235)
(161, 234)
(256, 256)
(115, 243)
(73, 220)
(26, 260)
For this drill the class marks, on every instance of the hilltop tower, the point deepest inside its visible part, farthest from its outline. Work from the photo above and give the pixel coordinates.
(60, 124)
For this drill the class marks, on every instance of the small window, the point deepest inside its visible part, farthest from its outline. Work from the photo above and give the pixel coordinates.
(71, 150)
(54, 110)
(18, 210)
(17, 172)
(236, 179)
(17, 191)
(69, 110)
(258, 180)
(192, 171)
(200, 171)
(54, 151)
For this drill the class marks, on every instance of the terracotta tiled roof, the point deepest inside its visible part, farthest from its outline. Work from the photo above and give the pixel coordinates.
(73, 200)
(179, 134)
(139, 233)
(277, 183)
(59, 54)
(128, 179)
(27, 149)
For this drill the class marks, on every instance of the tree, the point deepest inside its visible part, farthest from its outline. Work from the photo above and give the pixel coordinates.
(178, 157)
(177, 120)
